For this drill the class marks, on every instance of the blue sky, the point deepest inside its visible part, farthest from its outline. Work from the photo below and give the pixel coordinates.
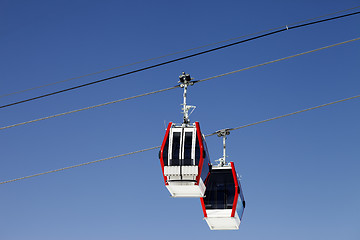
(300, 175)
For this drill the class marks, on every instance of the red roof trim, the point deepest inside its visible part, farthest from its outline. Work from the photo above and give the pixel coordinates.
(201, 145)
(162, 149)
(236, 190)
(203, 206)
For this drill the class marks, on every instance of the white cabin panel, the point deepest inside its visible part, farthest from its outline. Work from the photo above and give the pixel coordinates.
(190, 170)
(186, 189)
(220, 219)
(171, 170)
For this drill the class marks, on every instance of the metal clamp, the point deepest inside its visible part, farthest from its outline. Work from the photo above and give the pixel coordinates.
(185, 81)
(223, 133)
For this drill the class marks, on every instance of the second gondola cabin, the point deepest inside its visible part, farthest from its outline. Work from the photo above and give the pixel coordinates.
(224, 203)
(184, 160)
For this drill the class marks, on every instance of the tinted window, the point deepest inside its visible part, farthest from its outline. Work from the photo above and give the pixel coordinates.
(220, 190)
(187, 149)
(241, 207)
(175, 149)
(197, 152)
(206, 163)
(165, 152)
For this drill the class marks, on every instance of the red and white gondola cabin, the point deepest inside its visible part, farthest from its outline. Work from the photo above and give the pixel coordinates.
(224, 203)
(184, 160)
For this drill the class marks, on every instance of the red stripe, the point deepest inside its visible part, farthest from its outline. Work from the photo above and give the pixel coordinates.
(201, 145)
(162, 149)
(236, 190)
(203, 206)
(207, 178)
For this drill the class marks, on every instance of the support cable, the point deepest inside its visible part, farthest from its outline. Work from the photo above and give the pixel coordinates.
(287, 115)
(277, 60)
(170, 88)
(86, 108)
(181, 58)
(78, 165)
(152, 148)
(175, 53)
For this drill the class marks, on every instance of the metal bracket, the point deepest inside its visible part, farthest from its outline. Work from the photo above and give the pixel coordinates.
(185, 81)
(223, 133)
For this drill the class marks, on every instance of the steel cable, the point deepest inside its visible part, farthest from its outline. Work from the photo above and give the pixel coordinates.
(287, 115)
(277, 60)
(78, 165)
(170, 88)
(177, 59)
(86, 108)
(152, 148)
(175, 53)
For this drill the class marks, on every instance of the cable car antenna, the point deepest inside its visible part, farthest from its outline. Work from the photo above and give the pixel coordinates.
(185, 81)
(223, 133)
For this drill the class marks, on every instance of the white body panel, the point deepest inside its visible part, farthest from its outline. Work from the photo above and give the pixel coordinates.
(220, 219)
(186, 189)
(172, 172)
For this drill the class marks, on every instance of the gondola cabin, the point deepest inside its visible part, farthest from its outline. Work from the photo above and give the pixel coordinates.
(223, 204)
(184, 160)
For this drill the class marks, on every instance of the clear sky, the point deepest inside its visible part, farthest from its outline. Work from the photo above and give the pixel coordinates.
(300, 175)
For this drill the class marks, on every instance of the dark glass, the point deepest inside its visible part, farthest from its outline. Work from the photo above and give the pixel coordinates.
(187, 149)
(242, 199)
(165, 152)
(220, 189)
(206, 163)
(197, 152)
(175, 149)
(187, 162)
(241, 207)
